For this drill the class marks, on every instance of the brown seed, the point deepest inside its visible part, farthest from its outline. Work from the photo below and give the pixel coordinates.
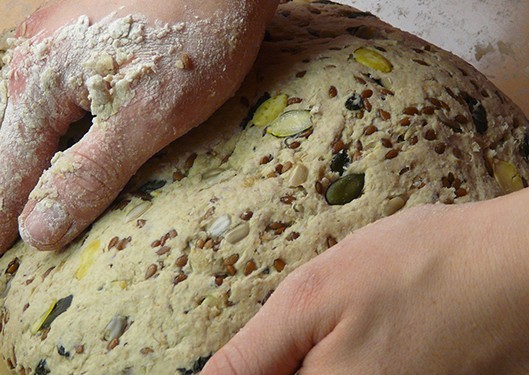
(231, 270)
(140, 223)
(47, 272)
(333, 92)
(429, 110)
(208, 244)
(122, 244)
(292, 236)
(173, 233)
(181, 261)
(180, 278)
(200, 243)
(367, 105)
(275, 225)
(461, 192)
(26, 306)
(163, 250)
(386, 142)
(457, 183)
(156, 243)
(279, 264)
(435, 102)
(384, 115)
(421, 62)
(414, 140)
(294, 100)
(219, 280)
(331, 241)
(307, 133)
(178, 176)
(44, 335)
(294, 145)
(231, 260)
(286, 167)
(246, 215)
(411, 111)
(249, 268)
(151, 271)
(445, 183)
(461, 119)
(301, 74)
(190, 161)
(430, 135)
(113, 242)
(338, 146)
(370, 130)
(146, 351)
(288, 199)
(392, 154)
(387, 92)
(112, 344)
(12, 267)
(319, 187)
(366, 94)
(440, 148)
(360, 80)
(278, 168)
(405, 121)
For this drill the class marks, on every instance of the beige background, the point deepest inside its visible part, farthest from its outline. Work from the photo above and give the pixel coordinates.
(493, 35)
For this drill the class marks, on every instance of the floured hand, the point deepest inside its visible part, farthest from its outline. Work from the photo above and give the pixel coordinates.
(149, 71)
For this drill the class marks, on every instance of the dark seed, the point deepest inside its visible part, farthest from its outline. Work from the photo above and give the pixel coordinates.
(340, 162)
(384, 115)
(12, 267)
(246, 215)
(181, 261)
(294, 100)
(430, 135)
(370, 130)
(354, 103)
(249, 268)
(461, 192)
(479, 114)
(392, 154)
(366, 94)
(279, 264)
(428, 110)
(331, 241)
(411, 111)
(301, 74)
(524, 147)
(386, 142)
(113, 242)
(440, 148)
(333, 92)
(345, 189)
(180, 278)
(338, 146)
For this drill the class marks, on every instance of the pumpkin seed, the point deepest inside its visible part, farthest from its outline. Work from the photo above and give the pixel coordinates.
(373, 60)
(270, 110)
(393, 205)
(238, 233)
(290, 123)
(507, 176)
(87, 259)
(56, 308)
(345, 189)
(298, 176)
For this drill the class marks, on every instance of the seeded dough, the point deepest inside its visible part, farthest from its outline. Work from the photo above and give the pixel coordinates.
(209, 227)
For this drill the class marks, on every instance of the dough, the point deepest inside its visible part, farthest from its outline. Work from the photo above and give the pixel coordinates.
(343, 120)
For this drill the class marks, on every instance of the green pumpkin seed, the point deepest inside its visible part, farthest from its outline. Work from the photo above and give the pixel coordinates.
(507, 176)
(270, 110)
(373, 60)
(291, 123)
(345, 189)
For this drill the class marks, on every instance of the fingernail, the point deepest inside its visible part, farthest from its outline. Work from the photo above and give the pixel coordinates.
(46, 224)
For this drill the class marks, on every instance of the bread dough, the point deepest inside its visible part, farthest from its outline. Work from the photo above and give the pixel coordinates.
(342, 121)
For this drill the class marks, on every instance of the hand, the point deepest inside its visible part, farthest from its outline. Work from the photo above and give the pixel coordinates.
(148, 79)
(433, 290)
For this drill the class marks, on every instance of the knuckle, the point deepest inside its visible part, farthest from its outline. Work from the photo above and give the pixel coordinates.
(229, 360)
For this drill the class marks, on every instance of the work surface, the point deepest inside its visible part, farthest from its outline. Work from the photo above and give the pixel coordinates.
(492, 35)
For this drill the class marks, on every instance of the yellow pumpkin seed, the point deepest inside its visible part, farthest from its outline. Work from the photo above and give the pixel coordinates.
(40, 321)
(290, 123)
(270, 110)
(507, 176)
(373, 60)
(87, 259)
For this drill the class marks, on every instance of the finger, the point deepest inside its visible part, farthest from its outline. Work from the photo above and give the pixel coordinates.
(29, 136)
(277, 339)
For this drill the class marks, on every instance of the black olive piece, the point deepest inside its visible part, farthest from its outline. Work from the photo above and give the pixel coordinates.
(340, 162)
(197, 366)
(42, 368)
(479, 114)
(354, 102)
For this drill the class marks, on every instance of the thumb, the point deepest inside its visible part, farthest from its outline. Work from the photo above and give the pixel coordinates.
(280, 335)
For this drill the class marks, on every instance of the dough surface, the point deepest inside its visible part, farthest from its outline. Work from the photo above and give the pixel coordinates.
(342, 121)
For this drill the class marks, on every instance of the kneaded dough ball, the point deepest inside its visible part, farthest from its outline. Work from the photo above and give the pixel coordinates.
(343, 120)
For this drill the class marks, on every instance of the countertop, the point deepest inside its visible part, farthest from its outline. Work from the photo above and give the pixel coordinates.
(493, 35)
